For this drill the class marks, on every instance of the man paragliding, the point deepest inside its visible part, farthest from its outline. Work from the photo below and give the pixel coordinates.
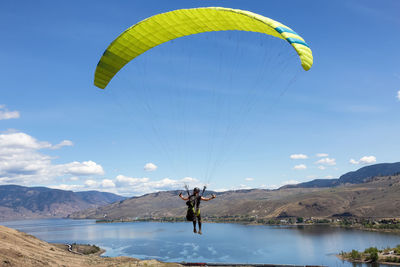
(164, 27)
(193, 203)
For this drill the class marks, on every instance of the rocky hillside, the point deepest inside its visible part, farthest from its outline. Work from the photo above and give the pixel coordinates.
(19, 202)
(378, 197)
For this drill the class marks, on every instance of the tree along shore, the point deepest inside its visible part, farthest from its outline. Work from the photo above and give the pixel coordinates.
(370, 255)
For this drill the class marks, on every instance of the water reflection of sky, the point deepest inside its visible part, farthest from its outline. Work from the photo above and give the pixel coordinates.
(228, 243)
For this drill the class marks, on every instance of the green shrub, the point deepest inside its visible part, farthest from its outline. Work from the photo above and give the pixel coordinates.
(397, 249)
(373, 253)
(355, 255)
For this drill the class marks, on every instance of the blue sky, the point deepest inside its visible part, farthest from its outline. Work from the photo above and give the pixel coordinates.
(58, 130)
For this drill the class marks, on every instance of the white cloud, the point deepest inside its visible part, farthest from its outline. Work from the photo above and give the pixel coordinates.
(322, 155)
(82, 168)
(122, 180)
(364, 160)
(107, 183)
(328, 177)
(91, 183)
(298, 156)
(321, 167)
(71, 187)
(62, 144)
(15, 141)
(74, 178)
(149, 167)
(367, 160)
(353, 161)
(144, 185)
(300, 167)
(189, 180)
(326, 161)
(21, 161)
(130, 186)
(289, 182)
(249, 179)
(398, 95)
(5, 114)
(243, 186)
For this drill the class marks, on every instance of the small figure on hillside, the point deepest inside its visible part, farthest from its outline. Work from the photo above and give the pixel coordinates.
(193, 203)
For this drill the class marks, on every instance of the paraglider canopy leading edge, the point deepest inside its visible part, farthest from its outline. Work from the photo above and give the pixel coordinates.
(167, 26)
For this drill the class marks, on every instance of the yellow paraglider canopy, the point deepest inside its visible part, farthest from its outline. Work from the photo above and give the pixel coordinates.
(164, 27)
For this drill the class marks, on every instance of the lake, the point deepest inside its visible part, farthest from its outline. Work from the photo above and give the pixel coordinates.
(222, 243)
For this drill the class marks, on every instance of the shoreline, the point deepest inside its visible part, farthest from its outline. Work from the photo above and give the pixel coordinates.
(366, 261)
(68, 247)
(179, 220)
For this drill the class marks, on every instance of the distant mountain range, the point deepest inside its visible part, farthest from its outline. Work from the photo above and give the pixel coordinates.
(20, 202)
(378, 197)
(372, 191)
(355, 177)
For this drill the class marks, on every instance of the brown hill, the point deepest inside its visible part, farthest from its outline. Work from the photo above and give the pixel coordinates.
(378, 197)
(20, 249)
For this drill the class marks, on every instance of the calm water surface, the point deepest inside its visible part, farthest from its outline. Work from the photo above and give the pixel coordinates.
(226, 243)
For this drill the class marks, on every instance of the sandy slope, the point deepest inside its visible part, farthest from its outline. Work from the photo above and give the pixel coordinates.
(20, 249)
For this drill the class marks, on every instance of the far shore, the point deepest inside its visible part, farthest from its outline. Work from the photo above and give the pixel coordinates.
(387, 225)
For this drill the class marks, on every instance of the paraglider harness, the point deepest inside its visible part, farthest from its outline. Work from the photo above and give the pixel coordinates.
(193, 204)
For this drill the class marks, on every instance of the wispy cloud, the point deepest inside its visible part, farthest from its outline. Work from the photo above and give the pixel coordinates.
(62, 144)
(364, 160)
(150, 167)
(6, 114)
(300, 167)
(398, 95)
(322, 155)
(326, 161)
(298, 156)
(249, 179)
